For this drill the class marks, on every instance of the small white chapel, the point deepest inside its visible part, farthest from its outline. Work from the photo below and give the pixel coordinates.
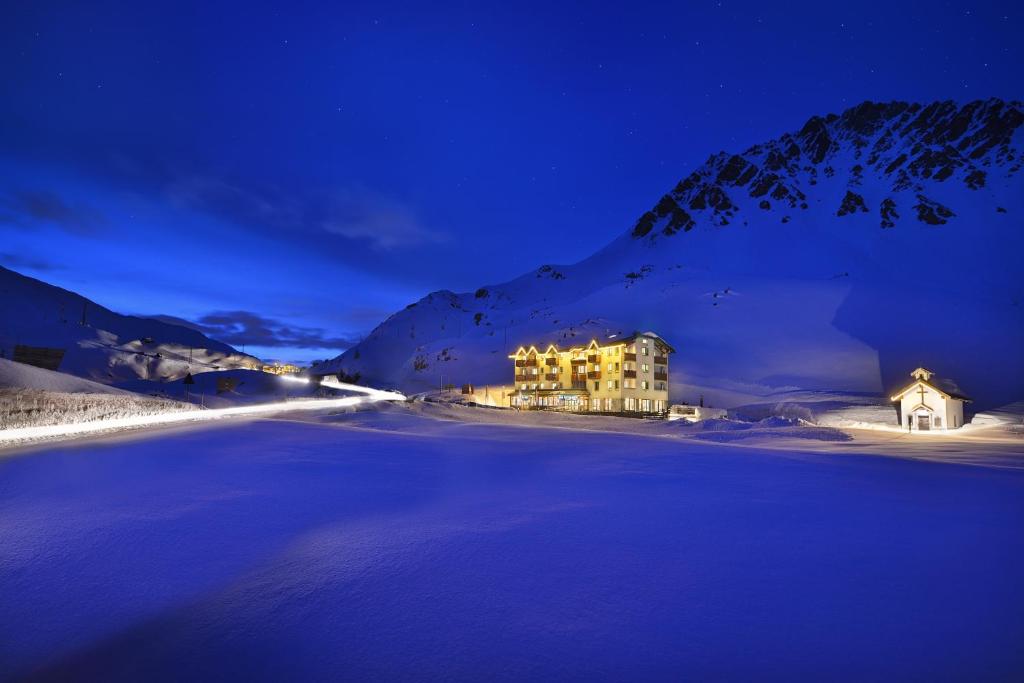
(924, 406)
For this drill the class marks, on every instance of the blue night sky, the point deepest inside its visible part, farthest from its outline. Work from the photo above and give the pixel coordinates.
(296, 173)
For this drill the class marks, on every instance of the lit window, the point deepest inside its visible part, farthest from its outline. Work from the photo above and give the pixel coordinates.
(609, 385)
(646, 367)
(644, 384)
(643, 350)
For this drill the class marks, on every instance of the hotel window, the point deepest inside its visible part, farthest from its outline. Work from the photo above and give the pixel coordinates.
(616, 367)
(597, 386)
(938, 421)
(609, 367)
(616, 384)
(609, 385)
(644, 384)
(523, 387)
(646, 367)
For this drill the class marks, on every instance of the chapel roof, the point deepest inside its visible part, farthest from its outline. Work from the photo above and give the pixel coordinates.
(945, 388)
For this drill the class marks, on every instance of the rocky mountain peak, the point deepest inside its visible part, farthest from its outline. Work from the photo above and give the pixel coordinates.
(907, 149)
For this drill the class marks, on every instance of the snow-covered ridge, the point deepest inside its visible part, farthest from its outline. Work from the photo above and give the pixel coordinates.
(903, 145)
(834, 258)
(100, 344)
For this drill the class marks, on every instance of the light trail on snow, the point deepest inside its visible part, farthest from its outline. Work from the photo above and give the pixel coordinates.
(8, 436)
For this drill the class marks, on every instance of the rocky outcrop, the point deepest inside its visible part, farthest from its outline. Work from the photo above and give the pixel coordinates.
(852, 203)
(932, 212)
(887, 209)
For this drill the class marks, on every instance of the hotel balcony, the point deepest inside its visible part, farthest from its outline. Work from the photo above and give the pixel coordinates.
(551, 376)
(661, 360)
(551, 361)
(579, 361)
(593, 375)
(629, 357)
(526, 363)
(582, 384)
(661, 376)
(524, 378)
(629, 374)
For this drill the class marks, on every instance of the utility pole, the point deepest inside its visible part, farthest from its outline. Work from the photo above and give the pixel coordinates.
(188, 382)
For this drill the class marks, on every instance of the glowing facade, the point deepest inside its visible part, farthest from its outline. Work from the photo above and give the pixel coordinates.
(924, 406)
(617, 375)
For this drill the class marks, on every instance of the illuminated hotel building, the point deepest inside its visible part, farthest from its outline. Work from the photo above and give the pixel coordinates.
(617, 375)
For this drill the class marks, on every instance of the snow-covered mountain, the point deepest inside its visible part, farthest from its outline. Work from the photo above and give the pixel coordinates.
(102, 345)
(839, 256)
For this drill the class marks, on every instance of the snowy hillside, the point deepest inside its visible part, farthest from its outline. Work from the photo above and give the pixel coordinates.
(836, 257)
(108, 347)
(34, 397)
(20, 376)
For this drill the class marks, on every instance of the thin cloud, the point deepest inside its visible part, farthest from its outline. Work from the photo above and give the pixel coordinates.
(264, 207)
(29, 208)
(239, 328)
(358, 215)
(17, 261)
(382, 222)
